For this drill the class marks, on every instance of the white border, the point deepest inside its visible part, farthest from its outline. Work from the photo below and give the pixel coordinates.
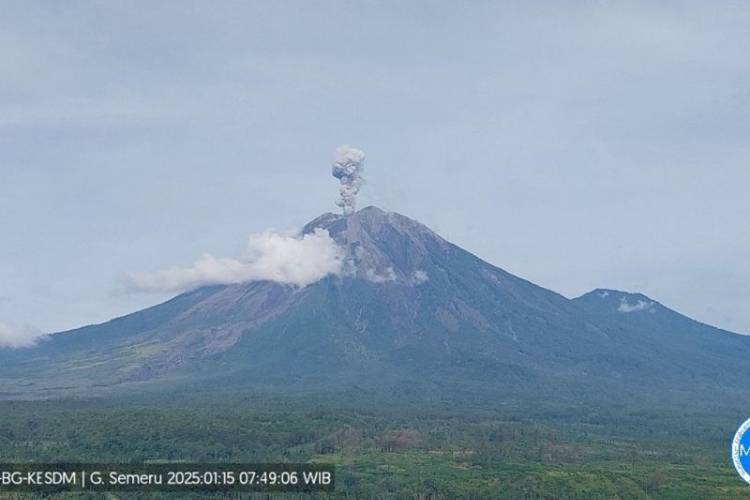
(736, 451)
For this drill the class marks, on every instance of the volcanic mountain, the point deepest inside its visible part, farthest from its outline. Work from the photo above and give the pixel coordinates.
(409, 310)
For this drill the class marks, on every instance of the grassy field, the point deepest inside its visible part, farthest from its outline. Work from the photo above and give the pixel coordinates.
(395, 449)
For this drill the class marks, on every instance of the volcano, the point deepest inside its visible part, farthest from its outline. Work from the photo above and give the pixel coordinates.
(409, 310)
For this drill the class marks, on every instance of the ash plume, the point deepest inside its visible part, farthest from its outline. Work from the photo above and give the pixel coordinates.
(348, 167)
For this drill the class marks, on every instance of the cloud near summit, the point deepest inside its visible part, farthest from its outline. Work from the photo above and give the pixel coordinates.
(16, 337)
(295, 260)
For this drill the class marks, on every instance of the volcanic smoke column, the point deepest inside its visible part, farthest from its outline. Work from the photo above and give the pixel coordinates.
(348, 167)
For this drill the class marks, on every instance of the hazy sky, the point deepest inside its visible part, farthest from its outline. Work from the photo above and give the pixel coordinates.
(578, 145)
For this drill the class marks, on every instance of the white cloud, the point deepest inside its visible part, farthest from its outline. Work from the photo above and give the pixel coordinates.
(419, 277)
(641, 305)
(269, 256)
(19, 336)
(389, 275)
(372, 275)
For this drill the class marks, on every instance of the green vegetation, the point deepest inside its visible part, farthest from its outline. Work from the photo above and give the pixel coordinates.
(396, 448)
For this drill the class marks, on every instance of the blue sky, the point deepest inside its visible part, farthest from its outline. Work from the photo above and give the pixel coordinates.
(576, 144)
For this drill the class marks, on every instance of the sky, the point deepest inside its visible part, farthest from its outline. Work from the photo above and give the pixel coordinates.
(580, 145)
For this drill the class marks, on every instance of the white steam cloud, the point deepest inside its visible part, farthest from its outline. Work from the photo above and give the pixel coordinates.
(19, 336)
(348, 168)
(373, 276)
(296, 260)
(641, 305)
(419, 277)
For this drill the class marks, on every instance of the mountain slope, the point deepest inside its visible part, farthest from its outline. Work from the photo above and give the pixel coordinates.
(687, 347)
(408, 309)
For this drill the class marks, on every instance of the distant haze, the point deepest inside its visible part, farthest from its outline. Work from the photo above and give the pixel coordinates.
(579, 145)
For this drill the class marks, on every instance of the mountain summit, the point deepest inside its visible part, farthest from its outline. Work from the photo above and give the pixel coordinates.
(381, 246)
(408, 309)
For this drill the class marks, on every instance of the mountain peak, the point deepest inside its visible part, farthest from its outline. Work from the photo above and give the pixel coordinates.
(370, 214)
(612, 293)
(380, 246)
(619, 301)
(372, 209)
(328, 219)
